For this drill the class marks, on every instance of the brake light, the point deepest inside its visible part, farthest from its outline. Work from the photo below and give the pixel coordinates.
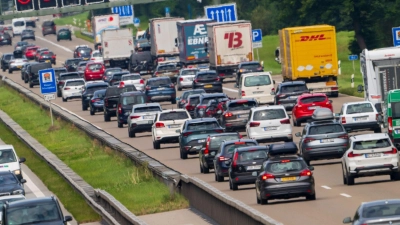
(221, 74)
(306, 173)
(207, 150)
(343, 120)
(41, 57)
(196, 80)
(285, 161)
(53, 56)
(394, 151)
(187, 134)
(160, 125)
(219, 131)
(377, 117)
(308, 140)
(254, 124)
(390, 125)
(189, 107)
(228, 114)
(267, 176)
(148, 87)
(156, 74)
(67, 88)
(351, 155)
(345, 136)
(180, 78)
(235, 158)
(217, 79)
(334, 88)
(285, 121)
(92, 59)
(95, 100)
(243, 93)
(172, 85)
(121, 84)
(79, 54)
(119, 109)
(134, 117)
(281, 96)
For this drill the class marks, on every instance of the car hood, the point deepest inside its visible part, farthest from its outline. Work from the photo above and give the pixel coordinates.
(9, 187)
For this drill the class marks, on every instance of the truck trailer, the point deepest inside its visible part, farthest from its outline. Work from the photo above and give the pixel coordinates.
(117, 47)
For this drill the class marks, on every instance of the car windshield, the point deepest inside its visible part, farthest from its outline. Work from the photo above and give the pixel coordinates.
(381, 211)
(218, 98)
(7, 156)
(69, 76)
(188, 72)
(251, 66)
(133, 99)
(19, 24)
(75, 83)
(148, 109)
(203, 125)
(97, 54)
(293, 88)
(284, 166)
(96, 88)
(187, 93)
(7, 178)
(44, 211)
(216, 141)
(159, 82)
(269, 114)
(326, 129)
(360, 108)
(241, 105)
(231, 147)
(167, 67)
(253, 81)
(131, 77)
(370, 144)
(247, 156)
(181, 115)
(3, 201)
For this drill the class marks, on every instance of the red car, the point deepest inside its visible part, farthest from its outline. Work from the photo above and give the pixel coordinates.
(306, 104)
(30, 52)
(94, 71)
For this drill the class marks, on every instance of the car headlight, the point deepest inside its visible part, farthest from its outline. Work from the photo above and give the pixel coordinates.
(17, 172)
(18, 192)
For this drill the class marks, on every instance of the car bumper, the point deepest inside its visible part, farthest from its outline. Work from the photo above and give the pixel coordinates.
(283, 136)
(111, 112)
(363, 171)
(140, 127)
(185, 84)
(161, 97)
(214, 88)
(47, 60)
(26, 38)
(332, 152)
(71, 95)
(97, 107)
(362, 126)
(222, 170)
(235, 124)
(15, 67)
(168, 139)
(285, 191)
(92, 77)
(123, 119)
(208, 161)
(243, 179)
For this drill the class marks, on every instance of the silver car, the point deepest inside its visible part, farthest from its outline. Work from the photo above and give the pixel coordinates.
(16, 64)
(185, 78)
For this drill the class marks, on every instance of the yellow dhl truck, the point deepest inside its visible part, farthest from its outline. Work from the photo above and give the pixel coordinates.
(309, 53)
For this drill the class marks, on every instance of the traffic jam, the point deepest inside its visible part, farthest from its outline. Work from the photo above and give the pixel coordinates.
(195, 86)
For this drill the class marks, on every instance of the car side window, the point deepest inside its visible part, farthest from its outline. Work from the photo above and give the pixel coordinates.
(304, 131)
(342, 110)
(357, 215)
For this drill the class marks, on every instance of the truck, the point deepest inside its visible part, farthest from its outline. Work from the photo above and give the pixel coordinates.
(192, 36)
(117, 47)
(104, 22)
(229, 44)
(163, 32)
(309, 53)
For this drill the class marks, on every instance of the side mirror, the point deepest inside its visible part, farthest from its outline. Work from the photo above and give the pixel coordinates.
(236, 86)
(298, 134)
(272, 93)
(178, 131)
(311, 168)
(22, 160)
(360, 88)
(273, 81)
(347, 220)
(23, 181)
(67, 218)
(178, 98)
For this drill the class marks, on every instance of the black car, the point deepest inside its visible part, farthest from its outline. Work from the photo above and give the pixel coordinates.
(287, 92)
(10, 184)
(88, 91)
(125, 102)
(96, 103)
(25, 71)
(184, 97)
(109, 72)
(20, 44)
(236, 113)
(200, 108)
(59, 70)
(212, 144)
(207, 80)
(31, 23)
(248, 67)
(28, 34)
(33, 72)
(48, 27)
(116, 78)
(5, 60)
(111, 99)
(62, 78)
(83, 52)
(26, 212)
(5, 39)
(72, 64)
(141, 62)
(222, 160)
(47, 56)
(284, 175)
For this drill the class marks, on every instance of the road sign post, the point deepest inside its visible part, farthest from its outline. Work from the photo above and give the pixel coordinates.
(48, 87)
(257, 40)
(125, 12)
(221, 13)
(396, 36)
(353, 58)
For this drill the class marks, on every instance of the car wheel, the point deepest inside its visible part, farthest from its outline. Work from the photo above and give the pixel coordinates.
(258, 199)
(173, 101)
(106, 117)
(335, 94)
(4, 70)
(184, 155)
(230, 184)
(64, 99)
(70, 39)
(34, 39)
(131, 134)
(349, 179)
(120, 125)
(311, 197)
(344, 177)
(378, 130)
(296, 123)
(395, 176)
(179, 88)
(201, 169)
(84, 107)
(234, 186)
(30, 85)
(92, 112)
(9, 71)
(58, 94)
(206, 169)
(26, 80)
(219, 178)
(156, 145)
(58, 40)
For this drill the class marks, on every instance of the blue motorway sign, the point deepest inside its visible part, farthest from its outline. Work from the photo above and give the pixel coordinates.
(136, 20)
(257, 35)
(166, 10)
(353, 57)
(396, 36)
(125, 10)
(47, 80)
(221, 13)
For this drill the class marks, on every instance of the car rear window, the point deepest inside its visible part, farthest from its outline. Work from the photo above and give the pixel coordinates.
(81, 64)
(70, 76)
(47, 53)
(269, 114)
(189, 72)
(384, 210)
(113, 91)
(180, 115)
(75, 83)
(186, 94)
(359, 108)
(293, 88)
(48, 23)
(241, 105)
(99, 94)
(312, 99)
(148, 109)
(8, 57)
(229, 148)
(203, 125)
(84, 50)
(253, 81)
(207, 75)
(94, 67)
(19, 24)
(59, 71)
(325, 129)
(218, 98)
(131, 77)
(251, 66)
(133, 99)
(194, 101)
(167, 67)
(72, 62)
(92, 89)
(159, 82)
(247, 156)
(111, 71)
(370, 144)
(285, 166)
(216, 141)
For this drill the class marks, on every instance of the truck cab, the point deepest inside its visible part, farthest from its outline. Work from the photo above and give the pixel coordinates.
(391, 115)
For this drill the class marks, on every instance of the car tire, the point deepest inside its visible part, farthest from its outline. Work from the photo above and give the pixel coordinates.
(4, 70)
(173, 101)
(70, 39)
(344, 177)
(206, 170)
(349, 179)
(84, 107)
(201, 169)
(219, 178)
(131, 134)
(311, 197)
(10, 71)
(120, 125)
(34, 39)
(233, 185)
(179, 88)
(58, 40)
(296, 123)
(107, 118)
(30, 85)
(378, 130)
(395, 176)
(184, 155)
(26, 80)
(156, 145)
(92, 112)
(64, 99)
(58, 94)
(335, 94)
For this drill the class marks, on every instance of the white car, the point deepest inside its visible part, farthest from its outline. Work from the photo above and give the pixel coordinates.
(142, 117)
(269, 123)
(258, 86)
(17, 64)
(132, 79)
(11, 162)
(356, 116)
(96, 57)
(370, 155)
(72, 89)
(166, 124)
(185, 78)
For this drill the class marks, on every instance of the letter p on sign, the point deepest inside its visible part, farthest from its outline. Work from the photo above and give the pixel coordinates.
(257, 35)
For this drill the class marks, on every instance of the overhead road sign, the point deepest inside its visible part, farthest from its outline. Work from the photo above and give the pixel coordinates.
(221, 13)
(47, 80)
(93, 1)
(47, 4)
(125, 14)
(396, 36)
(24, 5)
(353, 57)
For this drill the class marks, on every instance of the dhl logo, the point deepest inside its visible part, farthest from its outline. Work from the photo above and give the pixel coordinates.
(318, 37)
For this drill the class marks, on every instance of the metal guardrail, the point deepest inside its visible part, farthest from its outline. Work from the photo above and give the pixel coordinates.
(217, 205)
(87, 34)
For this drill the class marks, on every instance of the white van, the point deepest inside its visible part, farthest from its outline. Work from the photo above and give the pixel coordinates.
(258, 85)
(18, 25)
(9, 160)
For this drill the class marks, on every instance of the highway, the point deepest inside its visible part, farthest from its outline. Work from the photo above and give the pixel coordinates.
(334, 200)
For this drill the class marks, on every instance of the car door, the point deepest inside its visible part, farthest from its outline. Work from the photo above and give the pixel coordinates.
(303, 135)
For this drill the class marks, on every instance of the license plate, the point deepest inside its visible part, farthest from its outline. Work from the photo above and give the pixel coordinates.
(150, 122)
(372, 155)
(201, 141)
(313, 107)
(254, 167)
(326, 140)
(270, 128)
(293, 97)
(189, 79)
(208, 86)
(160, 89)
(396, 131)
(142, 72)
(258, 92)
(147, 117)
(242, 116)
(47, 61)
(19, 67)
(76, 94)
(360, 118)
(174, 126)
(284, 179)
(171, 58)
(85, 58)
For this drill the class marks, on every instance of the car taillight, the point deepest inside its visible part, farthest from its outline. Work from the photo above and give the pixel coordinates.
(106, 101)
(41, 57)
(189, 107)
(281, 96)
(95, 100)
(219, 131)
(285, 121)
(267, 176)
(187, 134)
(42, 28)
(196, 80)
(228, 114)
(67, 88)
(390, 125)
(180, 78)
(207, 149)
(377, 117)
(254, 124)
(345, 136)
(148, 87)
(308, 140)
(235, 159)
(334, 88)
(351, 155)
(343, 120)
(53, 56)
(217, 79)
(141, 81)
(243, 93)
(221, 74)
(134, 117)
(306, 173)
(121, 84)
(159, 125)
(171, 85)
(119, 109)
(92, 59)
(394, 151)
(79, 54)
(156, 74)
(61, 83)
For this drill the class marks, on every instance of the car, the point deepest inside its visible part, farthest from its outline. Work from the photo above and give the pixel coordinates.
(185, 78)
(192, 135)
(72, 64)
(24, 47)
(88, 91)
(133, 79)
(28, 35)
(47, 56)
(20, 44)
(246, 162)
(370, 155)
(258, 86)
(72, 89)
(284, 175)
(9, 160)
(224, 155)
(167, 70)
(166, 124)
(359, 116)
(39, 51)
(64, 34)
(211, 147)
(111, 99)
(96, 103)
(16, 64)
(323, 138)
(305, 106)
(93, 71)
(192, 101)
(247, 67)
(23, 69)
(184, 97)
(125, 102)
(60, 80)
(49, 27)
(116, 78)
(160, 89)
(30, 52)
(82, 51)
(5, 39)
(287, 92)
(269, 124)
(10, 184)
(80, 68)
(18, 25)
(97, 57)
(27, 211)
(33, 73)
(142, 118)
(200, 108)
(385, 211)
(58, 71)
(10, 198)
(109, 72)
(5, 59)
(31, 22)
(237, 113)
(207, 80)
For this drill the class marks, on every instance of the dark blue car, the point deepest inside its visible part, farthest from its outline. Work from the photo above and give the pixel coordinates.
(125, 102)
(97, 101)
(160, 89)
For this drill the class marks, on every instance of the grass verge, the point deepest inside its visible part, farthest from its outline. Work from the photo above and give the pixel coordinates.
(100, 166)
(80, 20)
(78, 34)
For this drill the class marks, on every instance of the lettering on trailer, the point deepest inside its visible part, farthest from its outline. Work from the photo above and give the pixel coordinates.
(200, 29)
(318, 37)
(234, 39)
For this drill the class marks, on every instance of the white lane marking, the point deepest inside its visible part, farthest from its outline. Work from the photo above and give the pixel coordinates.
(35, 190)
(326, 187)
(345, 195)
(57, 45)
(229, 89)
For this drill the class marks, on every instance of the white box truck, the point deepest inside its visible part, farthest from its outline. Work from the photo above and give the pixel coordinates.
(100, 23)
(229, 44)
(117, 47)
